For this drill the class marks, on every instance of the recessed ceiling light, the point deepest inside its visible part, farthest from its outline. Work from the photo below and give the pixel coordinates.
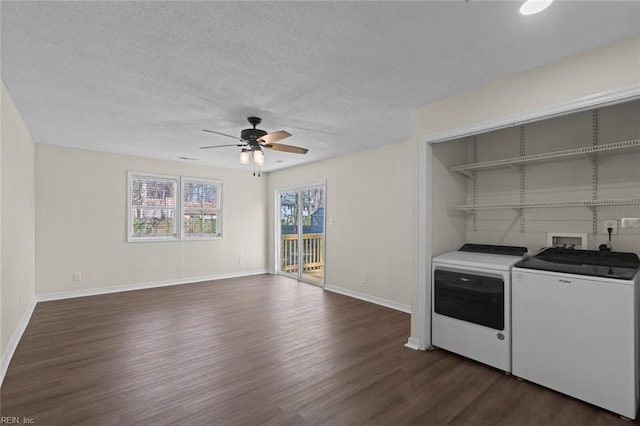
(531, 7)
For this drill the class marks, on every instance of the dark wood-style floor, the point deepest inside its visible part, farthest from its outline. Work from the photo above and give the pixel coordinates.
(254, 351)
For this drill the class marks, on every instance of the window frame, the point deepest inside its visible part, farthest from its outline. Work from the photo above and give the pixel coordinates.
(219, 205)
(131, 238)
(178, 208)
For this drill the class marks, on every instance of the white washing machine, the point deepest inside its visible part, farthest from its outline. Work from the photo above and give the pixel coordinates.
(575, 325)
(471, 309)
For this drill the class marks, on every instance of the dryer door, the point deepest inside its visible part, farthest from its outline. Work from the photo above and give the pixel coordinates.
(472, 298)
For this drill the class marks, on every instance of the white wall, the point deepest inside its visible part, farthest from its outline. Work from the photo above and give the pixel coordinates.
(449, 232)
(615, 67)
(608, 68)
(17, 263)
(81, 225)
(370, 197)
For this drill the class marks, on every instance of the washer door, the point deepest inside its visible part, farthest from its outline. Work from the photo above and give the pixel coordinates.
(472, 298)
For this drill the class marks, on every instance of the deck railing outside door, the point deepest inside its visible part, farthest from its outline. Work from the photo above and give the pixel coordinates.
(312, 257)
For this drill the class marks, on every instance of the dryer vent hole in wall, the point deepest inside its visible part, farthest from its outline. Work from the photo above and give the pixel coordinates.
(610, 224)
(609, 227)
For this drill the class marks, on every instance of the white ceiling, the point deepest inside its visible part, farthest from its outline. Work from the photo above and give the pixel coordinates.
(144, 78)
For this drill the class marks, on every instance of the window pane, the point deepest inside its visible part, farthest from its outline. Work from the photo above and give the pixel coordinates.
(153, 222)
(200, 195)
(153, 192)
(200, 224)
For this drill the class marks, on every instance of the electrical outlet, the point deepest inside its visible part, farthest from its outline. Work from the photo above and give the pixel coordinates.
(610, 223)
(241, 261)
(363, 278)
(77, 276)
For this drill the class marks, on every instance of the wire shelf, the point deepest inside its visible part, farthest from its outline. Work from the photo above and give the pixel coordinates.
(586, 151)
(549, 204)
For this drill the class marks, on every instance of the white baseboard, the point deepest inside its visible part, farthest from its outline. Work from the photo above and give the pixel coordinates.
(367, 298)
(15, 339)
(129, 287)
(412, 344)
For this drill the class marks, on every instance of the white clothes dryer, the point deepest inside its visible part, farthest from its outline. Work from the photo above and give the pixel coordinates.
(471, 309)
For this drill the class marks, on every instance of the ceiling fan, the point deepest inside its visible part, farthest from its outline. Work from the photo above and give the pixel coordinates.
(253, 140)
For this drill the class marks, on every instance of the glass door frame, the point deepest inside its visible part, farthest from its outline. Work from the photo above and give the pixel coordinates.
(278, 234)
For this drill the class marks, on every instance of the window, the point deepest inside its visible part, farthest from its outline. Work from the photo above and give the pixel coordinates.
(156, 203)
(152, 207)
(201, 208)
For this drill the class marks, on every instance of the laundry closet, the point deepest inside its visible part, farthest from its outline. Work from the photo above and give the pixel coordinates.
(561, 176)
(564, 315)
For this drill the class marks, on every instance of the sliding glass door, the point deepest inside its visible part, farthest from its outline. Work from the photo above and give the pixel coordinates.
(301, 233)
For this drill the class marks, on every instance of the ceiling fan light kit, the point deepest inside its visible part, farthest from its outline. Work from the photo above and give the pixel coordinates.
(245, 156)
(258, 157)
(253, 140)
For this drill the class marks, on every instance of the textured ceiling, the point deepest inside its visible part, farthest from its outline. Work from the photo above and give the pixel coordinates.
(144, 78)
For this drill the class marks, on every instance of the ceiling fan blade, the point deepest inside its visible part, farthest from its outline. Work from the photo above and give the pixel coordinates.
(222, 146)
(223, 134)
(274, 137)
(286, 148)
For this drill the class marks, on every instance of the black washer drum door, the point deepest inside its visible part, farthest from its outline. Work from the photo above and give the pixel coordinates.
(471, 298)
